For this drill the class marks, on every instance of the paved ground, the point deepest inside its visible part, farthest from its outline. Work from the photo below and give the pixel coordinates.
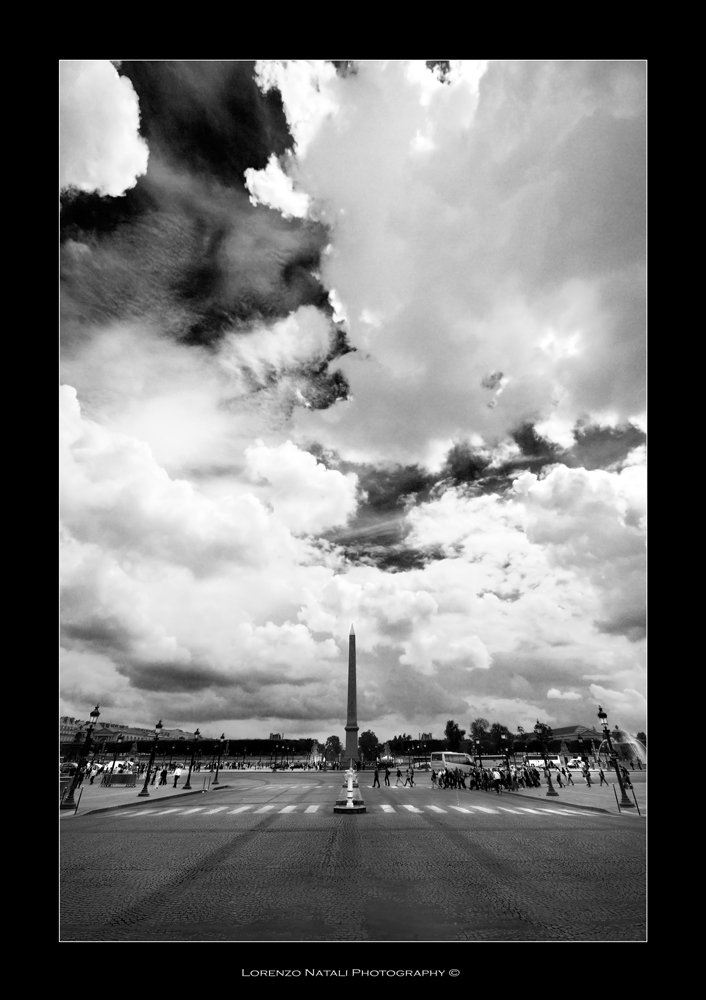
(267, 859)
(94, 796)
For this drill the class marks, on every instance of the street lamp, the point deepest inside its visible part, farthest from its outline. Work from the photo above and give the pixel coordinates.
(155, 744)
(579, 740)
(625, 802)
(478, 752)
(541, 731)
(197, 736)
(68, 802)
(221, 741)
(115, 755)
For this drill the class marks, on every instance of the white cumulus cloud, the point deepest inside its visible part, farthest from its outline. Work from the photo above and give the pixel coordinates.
(100, 148)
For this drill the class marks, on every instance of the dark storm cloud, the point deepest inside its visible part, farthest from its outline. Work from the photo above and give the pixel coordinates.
(176, 677)
(99, 634)
(631, 623)
(376, 535)
(599, 447)
(185, 250)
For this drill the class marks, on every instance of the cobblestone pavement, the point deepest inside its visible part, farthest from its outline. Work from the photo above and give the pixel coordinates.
(223, 867)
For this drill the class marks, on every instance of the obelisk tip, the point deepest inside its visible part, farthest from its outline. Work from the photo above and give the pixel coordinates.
(352, 631)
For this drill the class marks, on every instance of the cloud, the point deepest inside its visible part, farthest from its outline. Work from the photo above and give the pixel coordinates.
(305, 495)
(595, 523)
(308, 92)
(273, 187)
(450, 249)
(100, 148)
(408, 394)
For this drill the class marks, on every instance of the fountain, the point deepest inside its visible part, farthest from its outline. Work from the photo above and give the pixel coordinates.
(626, 747)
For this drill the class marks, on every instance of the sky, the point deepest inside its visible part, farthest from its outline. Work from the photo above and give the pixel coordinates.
(352, 343)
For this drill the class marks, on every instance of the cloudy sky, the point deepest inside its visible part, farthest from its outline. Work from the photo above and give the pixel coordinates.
(353, 343)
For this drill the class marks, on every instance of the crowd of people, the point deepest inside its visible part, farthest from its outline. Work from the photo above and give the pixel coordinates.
(493, 778)
(500, 778)
(94, 769)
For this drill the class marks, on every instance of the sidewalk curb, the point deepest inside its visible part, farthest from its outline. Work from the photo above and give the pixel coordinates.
(163, 798)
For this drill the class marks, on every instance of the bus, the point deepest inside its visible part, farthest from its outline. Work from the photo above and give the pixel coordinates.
(537, 760)
(447, 760)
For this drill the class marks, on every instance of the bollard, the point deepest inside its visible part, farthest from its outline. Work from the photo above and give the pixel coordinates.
(79, 799)
(636, 805)
(616, 797)
(352, 802)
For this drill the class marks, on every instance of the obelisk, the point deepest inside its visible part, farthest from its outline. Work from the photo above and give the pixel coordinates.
(352, 721)
(352, 804)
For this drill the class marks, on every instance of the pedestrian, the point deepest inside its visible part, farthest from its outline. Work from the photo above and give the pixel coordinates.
(558, 779)
(163, 776)
(433, 779)
(569, 779)
(603, 780)
(177, 775)
(154, 775)
(587, 776)
(399, 777)
(406, 778)
(387, 775)
(496, 780)
(376, 778)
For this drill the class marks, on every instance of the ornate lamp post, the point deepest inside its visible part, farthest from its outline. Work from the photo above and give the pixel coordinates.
(155, 744)
(579, 740)
(115, 755)
(197, 736)
(541, 731)
(478, 752)
(625, 802)
(68, 802)
(221, 741)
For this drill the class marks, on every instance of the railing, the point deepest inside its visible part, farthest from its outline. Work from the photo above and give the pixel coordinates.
(127, 780)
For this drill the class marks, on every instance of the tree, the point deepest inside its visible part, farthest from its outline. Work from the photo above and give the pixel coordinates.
(498, 732)
(479, 728)
(399, 743)
(333, 747)
(454, 735)
(368, 745)
(544, 735)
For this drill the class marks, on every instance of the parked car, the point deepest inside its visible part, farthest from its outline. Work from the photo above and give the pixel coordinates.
(293, 767)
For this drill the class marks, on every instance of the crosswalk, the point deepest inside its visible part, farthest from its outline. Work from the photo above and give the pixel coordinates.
(302, 808)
